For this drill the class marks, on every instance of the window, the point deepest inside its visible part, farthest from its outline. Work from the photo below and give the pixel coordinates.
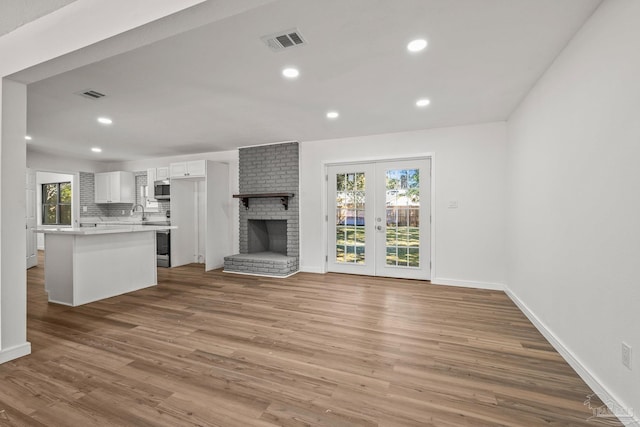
(56, 203)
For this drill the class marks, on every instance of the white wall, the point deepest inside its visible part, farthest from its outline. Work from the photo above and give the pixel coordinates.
(468, 166)
(13, 249)
(574, 199)
(49, 162)
(228, 157)
(50, 177)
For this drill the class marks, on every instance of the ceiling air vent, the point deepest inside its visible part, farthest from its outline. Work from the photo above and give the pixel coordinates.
(283, 40)
(91, 94)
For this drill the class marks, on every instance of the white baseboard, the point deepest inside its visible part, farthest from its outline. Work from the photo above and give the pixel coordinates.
(59, 302)
(468, 284)
(631, 419)
(14, 352)
(435, 281)
(308, 269)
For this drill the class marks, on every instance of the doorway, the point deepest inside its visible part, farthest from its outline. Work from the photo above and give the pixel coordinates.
(379, 218)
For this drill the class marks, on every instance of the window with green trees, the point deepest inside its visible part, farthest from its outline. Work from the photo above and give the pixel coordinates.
(56, 203)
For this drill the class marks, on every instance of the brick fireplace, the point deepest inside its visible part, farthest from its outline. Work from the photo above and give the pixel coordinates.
(269, 211)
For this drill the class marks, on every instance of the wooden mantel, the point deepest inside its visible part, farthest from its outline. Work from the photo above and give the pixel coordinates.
(284, 198)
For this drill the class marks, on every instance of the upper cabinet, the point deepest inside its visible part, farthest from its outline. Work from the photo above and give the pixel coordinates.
(157, 174)
(152, 176)
(162, 173)
(115, 187)
(193, 169)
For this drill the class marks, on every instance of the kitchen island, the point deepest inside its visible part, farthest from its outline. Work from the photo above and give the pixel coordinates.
(83, 265)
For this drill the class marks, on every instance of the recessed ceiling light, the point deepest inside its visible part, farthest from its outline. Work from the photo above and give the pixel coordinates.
(105, 120)
(96, 150)
(333, 115)
(290, 73)
(422, 102)
(416, 45)
(28, 138)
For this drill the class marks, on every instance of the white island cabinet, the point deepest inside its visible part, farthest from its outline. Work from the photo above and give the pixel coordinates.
(83, 265)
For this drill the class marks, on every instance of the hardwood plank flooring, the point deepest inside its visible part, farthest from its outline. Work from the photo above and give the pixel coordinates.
(216, 349)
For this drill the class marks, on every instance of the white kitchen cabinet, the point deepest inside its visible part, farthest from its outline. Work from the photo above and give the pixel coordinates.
(157, 174)
(192, 169)
(115, 187)
(151, 178)
(162, 173)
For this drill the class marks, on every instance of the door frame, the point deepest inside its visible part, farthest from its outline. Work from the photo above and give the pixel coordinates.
(325, 201)
(31, 217)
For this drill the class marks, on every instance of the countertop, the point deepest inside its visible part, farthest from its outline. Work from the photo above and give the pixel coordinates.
(104, 229)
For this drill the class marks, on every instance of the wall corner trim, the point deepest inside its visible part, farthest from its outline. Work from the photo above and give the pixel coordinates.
(614, 404)
(15, 352)
(468, 284)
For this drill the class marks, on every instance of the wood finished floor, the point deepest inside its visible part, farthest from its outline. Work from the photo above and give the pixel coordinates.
(216, 349)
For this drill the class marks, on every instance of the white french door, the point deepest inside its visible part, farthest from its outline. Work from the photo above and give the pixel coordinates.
(379, 218)
(351, 219)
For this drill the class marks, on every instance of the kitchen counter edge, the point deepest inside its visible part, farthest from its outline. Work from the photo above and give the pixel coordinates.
(90, 231)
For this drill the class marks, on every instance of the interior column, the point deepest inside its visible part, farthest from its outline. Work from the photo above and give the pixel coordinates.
(13, 277)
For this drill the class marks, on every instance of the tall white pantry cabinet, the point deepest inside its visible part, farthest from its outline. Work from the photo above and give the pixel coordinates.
(201, 208)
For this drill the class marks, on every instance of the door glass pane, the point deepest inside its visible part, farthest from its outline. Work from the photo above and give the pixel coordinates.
(350, 214)
(402, 217)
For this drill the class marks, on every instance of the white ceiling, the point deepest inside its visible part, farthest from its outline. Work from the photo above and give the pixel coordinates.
(15, 13)
(219, 87)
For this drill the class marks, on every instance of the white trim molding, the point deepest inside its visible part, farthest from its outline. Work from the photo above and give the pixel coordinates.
(630, 419)
(468, 284)
(15, 352)
(311, 269)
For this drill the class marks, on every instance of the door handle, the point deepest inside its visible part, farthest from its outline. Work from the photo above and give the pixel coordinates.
(379, 227)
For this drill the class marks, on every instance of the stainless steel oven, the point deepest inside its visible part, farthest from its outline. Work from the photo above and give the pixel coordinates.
(163, 248)
(163, 244)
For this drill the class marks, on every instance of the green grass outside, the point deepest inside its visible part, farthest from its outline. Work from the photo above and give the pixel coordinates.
(402, 245)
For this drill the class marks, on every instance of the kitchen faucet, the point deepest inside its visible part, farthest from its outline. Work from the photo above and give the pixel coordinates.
(133, 209)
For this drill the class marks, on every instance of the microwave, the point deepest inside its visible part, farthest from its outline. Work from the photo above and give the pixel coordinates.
(162, 190)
